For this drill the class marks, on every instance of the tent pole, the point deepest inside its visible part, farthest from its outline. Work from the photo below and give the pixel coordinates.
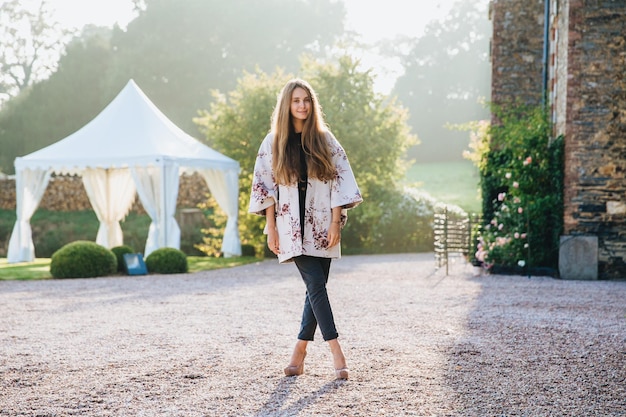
(164, 214)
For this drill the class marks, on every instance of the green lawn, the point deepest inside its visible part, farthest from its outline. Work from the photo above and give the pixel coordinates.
(449, 182)
(40, 268)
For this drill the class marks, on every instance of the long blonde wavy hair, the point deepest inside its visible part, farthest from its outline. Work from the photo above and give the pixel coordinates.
(318, 157)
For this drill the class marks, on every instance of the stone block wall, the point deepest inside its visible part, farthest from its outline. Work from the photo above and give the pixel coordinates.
(67, 193)
(595, 132)
(517, 51)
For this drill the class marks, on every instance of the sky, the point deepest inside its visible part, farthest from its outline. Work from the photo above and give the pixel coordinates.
(400, 17)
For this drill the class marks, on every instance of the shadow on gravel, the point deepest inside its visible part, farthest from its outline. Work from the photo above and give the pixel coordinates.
(542, 346)
(280, 396)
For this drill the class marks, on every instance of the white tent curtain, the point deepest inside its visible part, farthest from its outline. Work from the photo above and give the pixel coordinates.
(111, 193)
(224, 186)
(157, 188)
(30, 185)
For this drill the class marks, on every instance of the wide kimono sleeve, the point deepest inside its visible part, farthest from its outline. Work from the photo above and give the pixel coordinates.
(263, 193)
(345, 192)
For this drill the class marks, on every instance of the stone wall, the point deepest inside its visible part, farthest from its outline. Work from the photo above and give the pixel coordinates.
(588, 101)
(517, 51)
(595, 133)
(66, 193)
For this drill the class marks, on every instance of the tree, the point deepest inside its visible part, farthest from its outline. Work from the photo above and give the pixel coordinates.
(372, 130)
(235, 124)
(30, 44)
(52, 109)
(372, 127)
(177, 52)
(446, 76)
(188, 48)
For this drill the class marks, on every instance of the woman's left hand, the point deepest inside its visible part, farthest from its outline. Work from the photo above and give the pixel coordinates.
(334, 234)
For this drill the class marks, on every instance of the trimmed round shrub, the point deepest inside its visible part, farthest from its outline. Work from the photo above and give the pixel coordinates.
(82, 259)
(167, 261)
(119, 252)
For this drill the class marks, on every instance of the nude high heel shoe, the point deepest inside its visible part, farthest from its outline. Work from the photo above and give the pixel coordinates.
(341, 373)
(293, 370)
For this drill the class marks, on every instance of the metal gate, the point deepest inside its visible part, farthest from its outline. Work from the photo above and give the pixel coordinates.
(453, 234)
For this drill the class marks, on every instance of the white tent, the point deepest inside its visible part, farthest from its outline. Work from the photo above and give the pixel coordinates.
(130, 147)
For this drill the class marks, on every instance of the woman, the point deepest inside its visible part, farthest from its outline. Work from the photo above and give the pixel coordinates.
(303, 185)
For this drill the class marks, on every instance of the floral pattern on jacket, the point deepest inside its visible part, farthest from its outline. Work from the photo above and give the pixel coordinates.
(321, 198)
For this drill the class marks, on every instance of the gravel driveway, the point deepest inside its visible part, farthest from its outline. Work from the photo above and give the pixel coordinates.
(418, 343)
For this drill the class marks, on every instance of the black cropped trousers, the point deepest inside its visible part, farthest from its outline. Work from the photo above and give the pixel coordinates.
(317, 310)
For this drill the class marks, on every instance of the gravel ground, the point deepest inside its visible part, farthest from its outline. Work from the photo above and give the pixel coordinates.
(418, 343)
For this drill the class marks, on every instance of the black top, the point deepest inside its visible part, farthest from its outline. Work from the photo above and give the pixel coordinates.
(295, 145)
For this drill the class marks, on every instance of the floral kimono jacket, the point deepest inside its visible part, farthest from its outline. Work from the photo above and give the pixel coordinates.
(321, 197)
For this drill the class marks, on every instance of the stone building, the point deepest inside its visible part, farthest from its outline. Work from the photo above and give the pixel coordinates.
(577, 57)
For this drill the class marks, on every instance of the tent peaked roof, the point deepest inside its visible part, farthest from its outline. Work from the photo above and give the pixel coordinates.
(130, 131)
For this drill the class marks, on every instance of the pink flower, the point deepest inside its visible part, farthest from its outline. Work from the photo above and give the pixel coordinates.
(516, 235)
(520, 210)
(528, 160)
(501, 196)
(515, 184)
(501, 241)
(523, 235)
(500, 226)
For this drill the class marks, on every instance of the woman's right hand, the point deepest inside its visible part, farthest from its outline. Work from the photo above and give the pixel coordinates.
(272, 233)
(272, 240)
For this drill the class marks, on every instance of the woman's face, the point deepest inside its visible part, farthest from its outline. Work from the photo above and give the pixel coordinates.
(300, 105)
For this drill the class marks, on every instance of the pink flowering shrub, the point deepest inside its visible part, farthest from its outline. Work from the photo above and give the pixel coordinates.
(521, 182)
(504, 239)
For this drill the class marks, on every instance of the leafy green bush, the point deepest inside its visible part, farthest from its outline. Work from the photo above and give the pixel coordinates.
(54, 229)
(82, 259)
(213, 232)
(167, 261)
(7, 222)
(248, 250)
(399, 221)
(522, 182)
(190, 237)
(119, 252)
